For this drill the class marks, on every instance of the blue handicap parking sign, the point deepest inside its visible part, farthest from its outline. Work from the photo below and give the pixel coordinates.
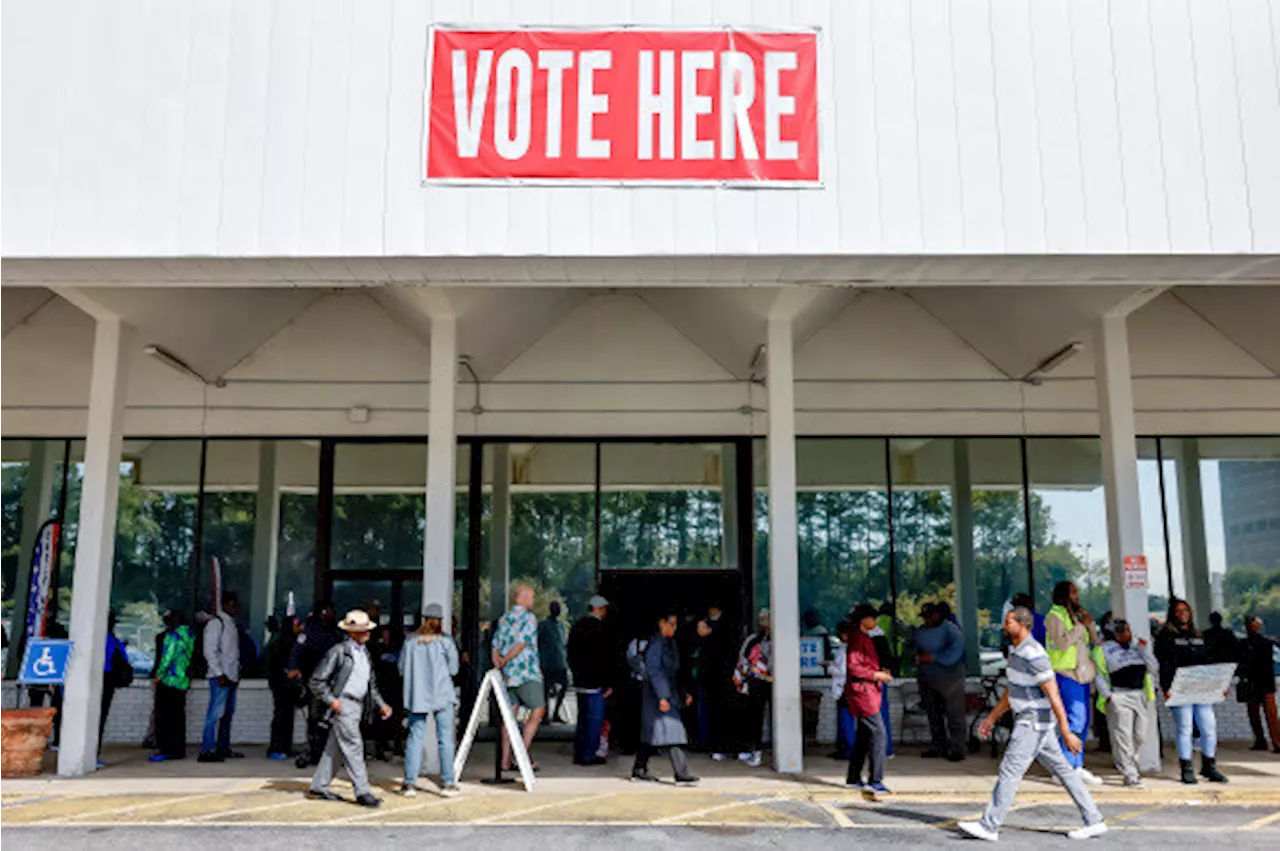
(45, 661)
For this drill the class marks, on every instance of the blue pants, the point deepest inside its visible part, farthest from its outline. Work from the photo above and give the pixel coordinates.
(1075, 700)
(586, 738)
(884, 715)
(217, 720)
(1205, 719)
(416, 739)
(846, 731)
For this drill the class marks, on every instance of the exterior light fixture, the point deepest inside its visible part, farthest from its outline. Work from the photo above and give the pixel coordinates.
(1055, 360)
(177, 364)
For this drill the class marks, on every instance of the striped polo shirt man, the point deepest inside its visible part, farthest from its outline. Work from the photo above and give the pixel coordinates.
(1029, 669)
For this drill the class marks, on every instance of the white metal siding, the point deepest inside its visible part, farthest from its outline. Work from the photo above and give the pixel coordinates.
(293, 128)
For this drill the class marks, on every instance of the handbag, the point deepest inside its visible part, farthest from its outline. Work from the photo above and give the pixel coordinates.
(121, 671)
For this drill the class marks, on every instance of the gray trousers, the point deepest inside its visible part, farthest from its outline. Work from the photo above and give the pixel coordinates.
(1128, 714)
(1026, 745)
(344, 737)
(943, 700)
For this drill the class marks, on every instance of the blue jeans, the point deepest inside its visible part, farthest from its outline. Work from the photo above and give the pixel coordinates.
(217, 720)
(884, 715)
(417, 737)
(1204, 718)
(1075, 700)
(586, 739)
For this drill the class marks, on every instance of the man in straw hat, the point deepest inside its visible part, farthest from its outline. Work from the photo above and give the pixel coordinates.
(343, 681)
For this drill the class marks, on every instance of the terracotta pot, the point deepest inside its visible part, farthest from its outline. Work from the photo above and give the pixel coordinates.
(23, 733)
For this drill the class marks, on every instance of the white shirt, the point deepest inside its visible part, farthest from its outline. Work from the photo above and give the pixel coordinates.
(222, 647)
(358, 683)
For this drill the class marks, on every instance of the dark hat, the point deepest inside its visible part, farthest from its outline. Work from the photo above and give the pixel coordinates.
(862, 611)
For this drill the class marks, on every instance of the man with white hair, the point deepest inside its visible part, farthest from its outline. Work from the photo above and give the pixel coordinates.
(515, 654)
(1033, 696)
(343, 682)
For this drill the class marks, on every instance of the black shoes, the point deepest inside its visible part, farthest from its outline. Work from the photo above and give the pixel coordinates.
(210, 757)
(367, 800)
(593, 761)
(1209, 770)
(1259, 746)
(326, 795)
(956, 756)
(642, 777)
(931, 753)
(230, 755)
(1188, 772)
(687, 780)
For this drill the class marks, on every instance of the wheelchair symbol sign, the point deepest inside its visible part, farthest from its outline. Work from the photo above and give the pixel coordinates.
(45, 661)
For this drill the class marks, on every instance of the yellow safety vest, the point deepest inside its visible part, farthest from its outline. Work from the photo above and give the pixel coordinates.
(1100, 659)
(1061, 660)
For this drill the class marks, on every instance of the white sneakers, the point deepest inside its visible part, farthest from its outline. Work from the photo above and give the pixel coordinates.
(717, 757)
(1088, 831)
(450, 791)
(977, 831)
(1089, 778)
(409, 791)
(744, 756)
(754, 759)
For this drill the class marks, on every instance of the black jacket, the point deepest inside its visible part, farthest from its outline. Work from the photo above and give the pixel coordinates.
(593, 658)
(1176, 649)
(312, 644)
(1257, 670)
(331, 676)
(1221, 643)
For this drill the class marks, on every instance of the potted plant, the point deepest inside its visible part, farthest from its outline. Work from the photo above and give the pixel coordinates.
(23, 733)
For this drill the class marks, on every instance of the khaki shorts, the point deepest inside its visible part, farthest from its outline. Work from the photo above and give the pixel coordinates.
(530, 695)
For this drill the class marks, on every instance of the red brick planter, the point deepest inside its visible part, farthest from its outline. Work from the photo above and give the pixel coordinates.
(23, 733)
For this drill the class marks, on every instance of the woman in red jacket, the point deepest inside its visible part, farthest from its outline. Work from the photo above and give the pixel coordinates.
(862, 694)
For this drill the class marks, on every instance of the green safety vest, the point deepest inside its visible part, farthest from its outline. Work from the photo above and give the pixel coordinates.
(1100, 659)
(1061, 660)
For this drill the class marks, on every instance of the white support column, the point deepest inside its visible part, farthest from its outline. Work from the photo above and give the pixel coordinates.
(95, 548)
(965, 569)
(784, 588)
(266, 537)
(437, 570)
(500, 531)
(1195, 549)
(1120, 478)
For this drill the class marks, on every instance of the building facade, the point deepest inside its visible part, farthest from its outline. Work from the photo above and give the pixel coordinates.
(1014, 321)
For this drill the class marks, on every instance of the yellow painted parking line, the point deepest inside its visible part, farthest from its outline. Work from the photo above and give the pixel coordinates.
(301, 799)
(118, 810)
(1262, 822)
(838, 815)
(372, 814)
(1141, 811)
(693, 814)
(499, 817)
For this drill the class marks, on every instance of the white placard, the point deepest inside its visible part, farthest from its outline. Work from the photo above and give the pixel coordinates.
(1200, 684)
(493, 683)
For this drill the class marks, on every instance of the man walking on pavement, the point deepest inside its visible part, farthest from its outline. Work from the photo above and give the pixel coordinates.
(222, 657)
(343, 681)
(1126, 693)
(1071, 632)
(591, 658)
(1033, 696)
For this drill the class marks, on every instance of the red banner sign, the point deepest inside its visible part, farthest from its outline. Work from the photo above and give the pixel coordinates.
(630, 105)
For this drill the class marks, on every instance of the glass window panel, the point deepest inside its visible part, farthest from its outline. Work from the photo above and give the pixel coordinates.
(1163, 561)
(14, 467)
(297, 477)
(662, 506)
(921, 472)
(379, 506)
(1240, 488)
(155, 539)
(842, 506)
(999, 535)
(1069, 520)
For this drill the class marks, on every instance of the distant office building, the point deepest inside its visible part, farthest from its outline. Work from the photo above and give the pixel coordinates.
(1251, 513)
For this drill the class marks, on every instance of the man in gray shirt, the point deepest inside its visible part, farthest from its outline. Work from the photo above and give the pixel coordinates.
(343, 682)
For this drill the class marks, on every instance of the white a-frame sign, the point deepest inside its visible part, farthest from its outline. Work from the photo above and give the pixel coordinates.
(493, 684)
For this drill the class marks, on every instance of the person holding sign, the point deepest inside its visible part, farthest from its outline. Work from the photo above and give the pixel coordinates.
(1180, 645)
